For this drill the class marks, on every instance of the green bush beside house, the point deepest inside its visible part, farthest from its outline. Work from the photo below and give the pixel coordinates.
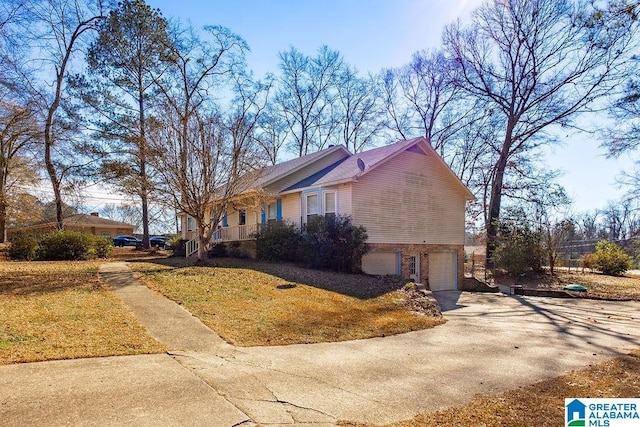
(329, 243)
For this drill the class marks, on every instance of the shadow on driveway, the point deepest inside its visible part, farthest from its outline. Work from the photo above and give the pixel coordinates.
(448, 300)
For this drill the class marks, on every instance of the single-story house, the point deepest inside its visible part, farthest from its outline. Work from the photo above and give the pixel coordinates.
(410, 202)
(86, 223)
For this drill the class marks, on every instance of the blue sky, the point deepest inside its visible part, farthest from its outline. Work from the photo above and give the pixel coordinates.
(373, 34)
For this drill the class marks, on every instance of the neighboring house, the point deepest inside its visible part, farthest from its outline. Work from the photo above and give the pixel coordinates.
(410, 202)
(91, 224)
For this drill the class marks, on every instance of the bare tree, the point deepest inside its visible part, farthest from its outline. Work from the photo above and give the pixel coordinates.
(58, 30)
(18, 132)
(539, 63)
(420, 97)
(125, 212)
(272, 132)
(361, 110)
(305, 96)
(199, 153)
(215, 165)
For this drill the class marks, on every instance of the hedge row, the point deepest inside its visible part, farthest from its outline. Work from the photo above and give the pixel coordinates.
(59, 246)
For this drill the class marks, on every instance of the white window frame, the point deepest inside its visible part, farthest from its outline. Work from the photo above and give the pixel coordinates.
(306, 207)
(335, 202)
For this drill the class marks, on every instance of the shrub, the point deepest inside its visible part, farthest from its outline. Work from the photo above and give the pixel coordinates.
(334, 243)
(234, 250)
(610, 258)
(103, 246)
(278, 241)
(173, 242)
(66, 245)
(219, 250)
(519, 249)
(23, 247)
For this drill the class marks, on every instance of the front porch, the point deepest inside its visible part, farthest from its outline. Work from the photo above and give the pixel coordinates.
(235, 233)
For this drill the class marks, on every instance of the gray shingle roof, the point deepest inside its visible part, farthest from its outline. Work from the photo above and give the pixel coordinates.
(279, 170)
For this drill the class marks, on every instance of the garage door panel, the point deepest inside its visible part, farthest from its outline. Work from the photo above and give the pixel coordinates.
(380, 263)
(442, 271)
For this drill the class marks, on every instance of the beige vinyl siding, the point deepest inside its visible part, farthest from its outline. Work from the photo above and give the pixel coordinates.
(380, 263)
(291, 208)
(411, 198)
(253, 216)
(305, 172)
(344, 199)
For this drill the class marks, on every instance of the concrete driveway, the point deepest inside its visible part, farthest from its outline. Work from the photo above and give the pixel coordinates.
(490, 343)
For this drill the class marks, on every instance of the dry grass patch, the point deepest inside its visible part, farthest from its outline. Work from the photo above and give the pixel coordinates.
(60, 310)
(598, 285)
(540, 404)
(250, 303)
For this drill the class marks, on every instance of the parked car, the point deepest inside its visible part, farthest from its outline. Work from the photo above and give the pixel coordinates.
(127, 241)
(159, 241)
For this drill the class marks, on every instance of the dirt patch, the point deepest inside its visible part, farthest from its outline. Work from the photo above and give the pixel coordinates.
(420, 301)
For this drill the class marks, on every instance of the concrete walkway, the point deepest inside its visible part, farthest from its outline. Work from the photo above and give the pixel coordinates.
(490, 343)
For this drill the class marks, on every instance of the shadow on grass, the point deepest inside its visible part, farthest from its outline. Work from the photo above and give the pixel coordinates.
(21, 284)
(355, 285)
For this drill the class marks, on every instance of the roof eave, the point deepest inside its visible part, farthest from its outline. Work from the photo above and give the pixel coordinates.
(324, 184)
(305, 164)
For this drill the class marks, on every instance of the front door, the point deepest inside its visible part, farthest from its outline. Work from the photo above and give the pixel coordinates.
(414, 268)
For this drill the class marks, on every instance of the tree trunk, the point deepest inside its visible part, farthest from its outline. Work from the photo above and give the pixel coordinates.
(145, 219)
(496, 198)
(202, 241)
(51, 171)
(3, 204)
(3, 218)
(142, 147)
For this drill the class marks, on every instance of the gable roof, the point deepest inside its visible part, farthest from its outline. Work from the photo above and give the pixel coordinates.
(345, 169)
(348, 169)
(280, 170)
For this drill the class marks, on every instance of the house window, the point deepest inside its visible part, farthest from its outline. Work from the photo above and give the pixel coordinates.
(242, 217)
(330, 204)
(271, 212)
(106, 234)
(191, 224)
(312, 206)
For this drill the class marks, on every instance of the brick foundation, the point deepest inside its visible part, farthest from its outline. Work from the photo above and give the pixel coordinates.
(407, 251)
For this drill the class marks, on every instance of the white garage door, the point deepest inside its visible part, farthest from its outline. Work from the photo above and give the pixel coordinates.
(442, 271)
(380, 263)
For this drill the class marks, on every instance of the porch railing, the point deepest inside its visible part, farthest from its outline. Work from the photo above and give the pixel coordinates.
(191, 247)
(235, 233)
